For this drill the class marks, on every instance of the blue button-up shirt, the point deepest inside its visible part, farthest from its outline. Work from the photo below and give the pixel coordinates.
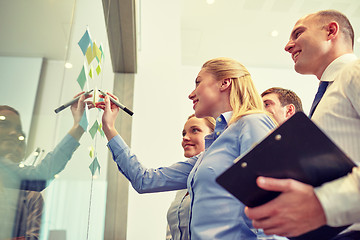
(215, 213)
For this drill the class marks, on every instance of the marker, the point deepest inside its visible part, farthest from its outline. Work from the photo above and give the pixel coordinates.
(128, 111)
(62, 107)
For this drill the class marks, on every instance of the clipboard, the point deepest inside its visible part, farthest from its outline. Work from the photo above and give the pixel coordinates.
(297, 149)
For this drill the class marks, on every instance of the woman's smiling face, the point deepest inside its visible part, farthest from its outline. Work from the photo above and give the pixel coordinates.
(206, 95)
(195, 129)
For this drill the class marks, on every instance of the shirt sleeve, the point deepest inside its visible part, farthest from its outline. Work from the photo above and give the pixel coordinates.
(254, 129)
(145, 180)
(53, 163)
(353, 86)
(340, 199)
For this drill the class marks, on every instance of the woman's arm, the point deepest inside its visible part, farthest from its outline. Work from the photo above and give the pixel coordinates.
(142, 179)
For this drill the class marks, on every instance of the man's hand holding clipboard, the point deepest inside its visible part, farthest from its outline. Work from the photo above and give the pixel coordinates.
(298, 150)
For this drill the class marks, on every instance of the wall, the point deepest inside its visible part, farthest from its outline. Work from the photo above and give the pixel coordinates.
(158, 119)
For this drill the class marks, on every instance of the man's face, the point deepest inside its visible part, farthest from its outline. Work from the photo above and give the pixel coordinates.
(272, 105)
(12, 140)
(309, 46)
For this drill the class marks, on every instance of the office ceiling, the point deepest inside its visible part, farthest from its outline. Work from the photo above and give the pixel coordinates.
(35, 28)
(235, 28)
(243, 29)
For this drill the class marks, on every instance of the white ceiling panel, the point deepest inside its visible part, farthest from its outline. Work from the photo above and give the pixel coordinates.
(242, 28)
(35, 28)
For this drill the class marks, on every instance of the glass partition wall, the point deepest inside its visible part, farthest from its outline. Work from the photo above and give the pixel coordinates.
(51, 185)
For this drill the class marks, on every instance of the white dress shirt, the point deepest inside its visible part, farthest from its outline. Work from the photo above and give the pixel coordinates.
(338, 115)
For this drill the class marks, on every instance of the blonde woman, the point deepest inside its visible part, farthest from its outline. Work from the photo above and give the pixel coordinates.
(224, 90)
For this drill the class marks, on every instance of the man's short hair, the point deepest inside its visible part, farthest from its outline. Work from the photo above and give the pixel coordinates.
(6, 107)
(286, 97)
(344, 23)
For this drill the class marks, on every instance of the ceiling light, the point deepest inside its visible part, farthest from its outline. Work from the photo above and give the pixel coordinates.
(274, 33)
(210, 1)
(68, 65)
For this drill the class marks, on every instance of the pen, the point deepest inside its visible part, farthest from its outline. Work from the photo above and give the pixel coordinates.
(128, 111)
(62, 107)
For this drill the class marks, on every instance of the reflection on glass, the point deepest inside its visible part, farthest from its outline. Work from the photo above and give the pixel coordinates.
(39, 38)
(20, 209)
(21, 200)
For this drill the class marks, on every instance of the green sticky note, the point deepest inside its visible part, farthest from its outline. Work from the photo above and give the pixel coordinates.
(84, 42)
(101, 131)
(94, 129)
(90, 72)
(102, 51)
(94, 166)
(84, 121)
(82, 78)
(98, 69)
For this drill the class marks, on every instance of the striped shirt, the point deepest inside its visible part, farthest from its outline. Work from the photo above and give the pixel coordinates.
(338, 115)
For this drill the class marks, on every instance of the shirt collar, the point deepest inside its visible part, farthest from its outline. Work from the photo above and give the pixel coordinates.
(331, 71)
(221, 125)
(227, 116)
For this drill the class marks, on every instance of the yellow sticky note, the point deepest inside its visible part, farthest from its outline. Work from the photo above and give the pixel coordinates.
(91, 153)
(90, 54)
(97, 52)
(90, 72)
(95, 96)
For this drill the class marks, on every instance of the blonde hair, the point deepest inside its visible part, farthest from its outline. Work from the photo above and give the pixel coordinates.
(244, 98)
(209, 121)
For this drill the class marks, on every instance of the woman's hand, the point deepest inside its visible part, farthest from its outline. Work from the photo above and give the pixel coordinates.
(77, 110)
(110, 114)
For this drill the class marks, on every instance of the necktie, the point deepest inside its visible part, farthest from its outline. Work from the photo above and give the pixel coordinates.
(321, 90)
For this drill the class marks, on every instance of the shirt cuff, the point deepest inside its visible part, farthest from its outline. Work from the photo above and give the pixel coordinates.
(116, 146)
(340, 200)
